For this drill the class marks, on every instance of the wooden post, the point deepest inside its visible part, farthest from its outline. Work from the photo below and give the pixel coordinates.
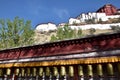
(76, 72)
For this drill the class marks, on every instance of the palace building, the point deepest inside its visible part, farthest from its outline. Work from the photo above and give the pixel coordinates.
(104, 13)
(88, 58)
(109, 9)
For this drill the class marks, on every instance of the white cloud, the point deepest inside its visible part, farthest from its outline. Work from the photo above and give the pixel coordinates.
(61, 13)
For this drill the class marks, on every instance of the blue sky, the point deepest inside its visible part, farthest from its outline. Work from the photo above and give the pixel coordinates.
(55, 11)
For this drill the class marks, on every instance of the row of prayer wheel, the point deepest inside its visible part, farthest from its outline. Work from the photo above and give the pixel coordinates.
(62, 70)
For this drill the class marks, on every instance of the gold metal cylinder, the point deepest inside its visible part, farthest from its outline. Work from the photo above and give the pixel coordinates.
(23, 72)
(47, 71)
(118, 65)
(80, 70)
(90, 73)
(34, 71)
(63, 71)
(17, 71)
(1, 72)
(28, 71)
(8, 71)
(40, 71)
(71, 71)
(110, 69)
(99, 70)
(55, 71)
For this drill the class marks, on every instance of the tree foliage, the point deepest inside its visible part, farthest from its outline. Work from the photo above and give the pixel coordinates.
(15, 33)
(92, 31)
(66, 33)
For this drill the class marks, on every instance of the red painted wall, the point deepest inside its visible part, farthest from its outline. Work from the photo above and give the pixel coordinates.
(101, 42)
(108, 9)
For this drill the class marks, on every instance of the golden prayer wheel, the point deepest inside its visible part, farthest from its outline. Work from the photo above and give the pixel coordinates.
(99, 70)
(110, 69)
(55, 71)
(17, 71)
(90, 73)
(8, 71)
(71, 71)
(23, 72)
(47, 71)
(80, 70)
(28, 71)
(34, 71)
(63, 71)
(1, 72)
(118, 65)
(40, 71)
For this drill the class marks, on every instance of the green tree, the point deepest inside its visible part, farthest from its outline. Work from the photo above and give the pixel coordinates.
(66, 33)
(115, 28)
(92, 31)
(15, 33)
(53, 38)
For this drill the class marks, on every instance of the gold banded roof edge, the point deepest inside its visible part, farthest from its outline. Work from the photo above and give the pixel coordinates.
(98, 60)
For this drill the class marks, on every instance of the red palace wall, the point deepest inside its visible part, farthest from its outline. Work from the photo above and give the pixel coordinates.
(108, 9)
(96, 43)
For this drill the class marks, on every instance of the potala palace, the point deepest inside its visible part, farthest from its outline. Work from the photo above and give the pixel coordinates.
(104, 13)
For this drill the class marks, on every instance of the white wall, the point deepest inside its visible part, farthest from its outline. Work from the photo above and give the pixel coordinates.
(46, 27)
(72, 20)
(94, 15)
(96, 26)
(113, 16)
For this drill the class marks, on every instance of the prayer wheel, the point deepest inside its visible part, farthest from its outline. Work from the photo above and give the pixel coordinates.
(80, 70)
(63, 71)
(118, 65)
(8, 71)
(1, 72)
(71, 71)
(34, 71)
(28, 71)
(90, 73)
(23, 72)
(55, 71)
(47, 71)
(110, 69)
(17, 71)
(99, 70)
(41, 71)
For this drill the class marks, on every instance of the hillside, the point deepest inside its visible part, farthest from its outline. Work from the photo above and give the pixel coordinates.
(46, 36)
